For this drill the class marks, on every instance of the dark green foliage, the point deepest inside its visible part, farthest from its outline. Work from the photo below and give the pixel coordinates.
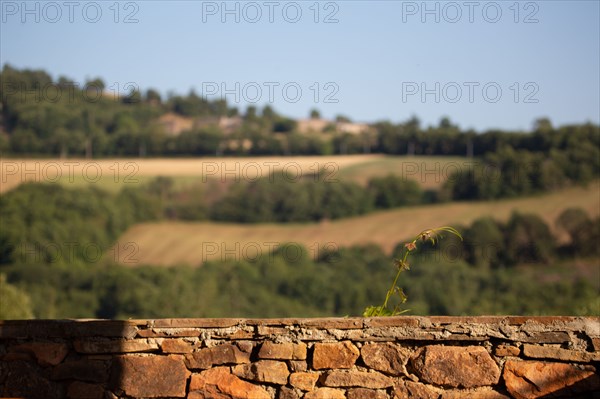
(528, 240)
(196, 142)
(49, 224)
(288, 198)
(484, 243)
(281, 284)
(584, 232)
(395, 191)
(484, 274)
(504, 174)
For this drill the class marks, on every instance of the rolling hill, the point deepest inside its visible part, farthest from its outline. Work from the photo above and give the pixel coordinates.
(170, 243)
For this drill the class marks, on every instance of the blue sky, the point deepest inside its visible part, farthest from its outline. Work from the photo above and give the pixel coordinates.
(484, 64)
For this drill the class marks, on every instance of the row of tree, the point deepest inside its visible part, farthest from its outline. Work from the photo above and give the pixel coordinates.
(42, 116)
(511, 173)
(278, 198)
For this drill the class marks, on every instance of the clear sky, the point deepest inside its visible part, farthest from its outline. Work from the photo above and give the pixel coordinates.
(484, 64)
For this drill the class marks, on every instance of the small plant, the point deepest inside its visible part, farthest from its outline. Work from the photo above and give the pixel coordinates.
(402, 265)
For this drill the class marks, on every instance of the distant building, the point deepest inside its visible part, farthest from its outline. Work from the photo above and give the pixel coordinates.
(174, 124)
(230, 124)
(312, 125)
(319, 126)
(352, 128)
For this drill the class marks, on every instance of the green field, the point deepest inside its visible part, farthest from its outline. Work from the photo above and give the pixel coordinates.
(171, 243)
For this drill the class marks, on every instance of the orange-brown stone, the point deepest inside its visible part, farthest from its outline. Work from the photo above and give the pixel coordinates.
(284, 351)
(304, 381)
(219, 383)
(363, 393)
(386, 357)
(216, 356)
(480, 393)
(337, 355)
(360, 379)
(507, 350)
(325, 393)
(456, 366)
(534, 379)
(270, 371)
(406, 389)
(176, 345)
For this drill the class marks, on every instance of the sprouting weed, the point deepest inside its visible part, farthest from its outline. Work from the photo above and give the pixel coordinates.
(426, 235)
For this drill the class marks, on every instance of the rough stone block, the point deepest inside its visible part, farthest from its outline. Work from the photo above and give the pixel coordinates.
(176, 345)
(46, 353)
(336, 355)
(288, 351)
(216, 356)
(405, 389)
(150, 376)
(325, 393)
(298, 365)
(456, 366)
(287, 393)
(386, 357)
(534, 379)
(504, 350)
(549, 352)
(269, 371)
(361, 379)
(363, 393)
(219, 383)
(304, 381)
(480, 393)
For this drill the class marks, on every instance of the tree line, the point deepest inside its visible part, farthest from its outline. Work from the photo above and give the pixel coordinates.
(41, 116)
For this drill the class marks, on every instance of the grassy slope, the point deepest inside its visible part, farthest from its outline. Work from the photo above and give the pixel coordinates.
(169, 243)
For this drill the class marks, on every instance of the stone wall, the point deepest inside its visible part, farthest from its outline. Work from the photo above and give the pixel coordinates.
(352, 358)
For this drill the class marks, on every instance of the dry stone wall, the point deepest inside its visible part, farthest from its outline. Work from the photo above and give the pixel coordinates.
(335, 358)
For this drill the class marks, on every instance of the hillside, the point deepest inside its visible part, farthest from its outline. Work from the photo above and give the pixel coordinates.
(171, 243)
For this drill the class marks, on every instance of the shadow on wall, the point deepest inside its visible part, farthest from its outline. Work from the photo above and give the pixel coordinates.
(584, 389)
(64, 358)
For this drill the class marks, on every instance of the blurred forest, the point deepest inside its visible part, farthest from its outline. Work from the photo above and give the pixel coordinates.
(517, 267)
(53, 239)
